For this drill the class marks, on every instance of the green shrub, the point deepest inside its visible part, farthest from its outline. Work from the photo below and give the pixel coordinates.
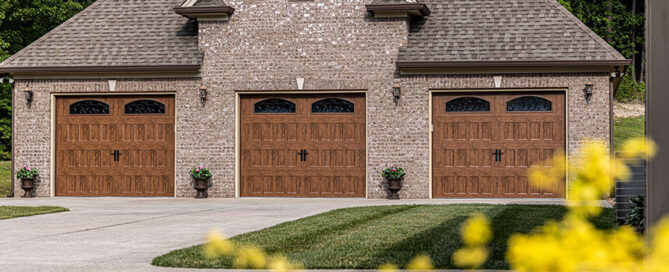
(636, 217)
(630, 90)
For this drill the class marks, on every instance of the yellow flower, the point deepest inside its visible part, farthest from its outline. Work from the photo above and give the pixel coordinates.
(420, 262)
(638, 148)
(470, 257)
(250, 257)
(281, 264)
(476, 231)
(388, 267)
(546, 174)
(660, 241)
(217, 245)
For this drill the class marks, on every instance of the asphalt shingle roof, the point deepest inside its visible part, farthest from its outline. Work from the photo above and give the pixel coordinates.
(116, 33)
(119, 33)
(493, 30)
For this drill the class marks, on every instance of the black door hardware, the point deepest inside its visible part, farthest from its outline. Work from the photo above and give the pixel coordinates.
(303, 154)
(498, 155)
(117, 155)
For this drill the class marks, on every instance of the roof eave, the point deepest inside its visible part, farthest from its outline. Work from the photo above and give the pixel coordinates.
(194, 12)
(476, 64)
(421, 8)
(102, 69)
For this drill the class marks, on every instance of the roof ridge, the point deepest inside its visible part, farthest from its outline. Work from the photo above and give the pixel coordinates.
(586, 29)
(49, 34)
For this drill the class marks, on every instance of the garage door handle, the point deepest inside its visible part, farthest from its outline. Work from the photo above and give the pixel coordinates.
(115, 153)
(303, 154)
(498, 155)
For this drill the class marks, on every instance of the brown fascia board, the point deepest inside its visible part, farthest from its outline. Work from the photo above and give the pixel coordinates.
(422, 8)
(98, 69)
(460, 64)
(194, 12)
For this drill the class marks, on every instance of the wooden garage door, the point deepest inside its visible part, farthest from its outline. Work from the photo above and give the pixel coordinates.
(303, 145)
(526, 128)
(91, 128)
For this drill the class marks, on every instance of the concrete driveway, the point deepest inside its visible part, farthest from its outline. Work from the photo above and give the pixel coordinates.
(125, 234)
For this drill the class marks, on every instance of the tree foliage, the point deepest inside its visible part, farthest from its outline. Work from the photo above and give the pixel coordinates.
(613, 20)
(21, 23)
(621, 24)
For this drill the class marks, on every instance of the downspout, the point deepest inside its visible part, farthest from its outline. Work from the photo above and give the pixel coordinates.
(614, 83)
(11, 171)
(611, 99)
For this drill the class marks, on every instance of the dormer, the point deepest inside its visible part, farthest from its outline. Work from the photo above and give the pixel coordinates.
(205, 10)
(412, 9)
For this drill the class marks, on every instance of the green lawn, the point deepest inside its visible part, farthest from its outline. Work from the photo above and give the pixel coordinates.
(5, 178)
(626, 128)
(7, 212)
(366, 237)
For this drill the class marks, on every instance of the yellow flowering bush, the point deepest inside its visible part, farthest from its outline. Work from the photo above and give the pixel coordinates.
(476, 233)
(420, 263)
(217, 245)
(574, 244)
(245, 257)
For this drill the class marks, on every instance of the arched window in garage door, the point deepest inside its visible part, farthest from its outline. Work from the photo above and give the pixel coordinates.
(332, 105)
(467, 104)
(89, 107)
(274, 105)
(529, 103)
(145, 106)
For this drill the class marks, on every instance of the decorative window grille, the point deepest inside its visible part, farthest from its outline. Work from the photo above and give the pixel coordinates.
(332, 105)
(274, 105)
(529, 103)
(89, 107)
(467, 104)
(145, 107)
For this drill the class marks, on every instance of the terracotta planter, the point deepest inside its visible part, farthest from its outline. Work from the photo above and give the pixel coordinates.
(394, 186)
(28, 185)
(202, 186)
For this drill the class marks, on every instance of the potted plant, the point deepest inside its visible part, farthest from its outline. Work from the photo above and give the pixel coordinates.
(27, 176)
(201, 176)
(394, 175)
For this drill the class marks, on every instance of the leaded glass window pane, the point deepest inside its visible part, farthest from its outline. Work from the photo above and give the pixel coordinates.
(89, 107)
(145, 107)
(332, 105)
(274, 105)
(467, 104)
(529, 103)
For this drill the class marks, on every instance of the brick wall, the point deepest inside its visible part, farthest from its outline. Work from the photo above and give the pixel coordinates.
(264, 47)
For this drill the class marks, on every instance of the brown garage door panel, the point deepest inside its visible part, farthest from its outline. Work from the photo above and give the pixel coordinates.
(332, 134)
(527, 127)
(142, 132)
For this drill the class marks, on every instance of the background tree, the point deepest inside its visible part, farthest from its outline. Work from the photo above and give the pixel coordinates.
(21, 23)
(619, 22)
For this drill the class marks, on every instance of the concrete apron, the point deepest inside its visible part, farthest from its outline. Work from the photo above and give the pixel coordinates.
(125, 234)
